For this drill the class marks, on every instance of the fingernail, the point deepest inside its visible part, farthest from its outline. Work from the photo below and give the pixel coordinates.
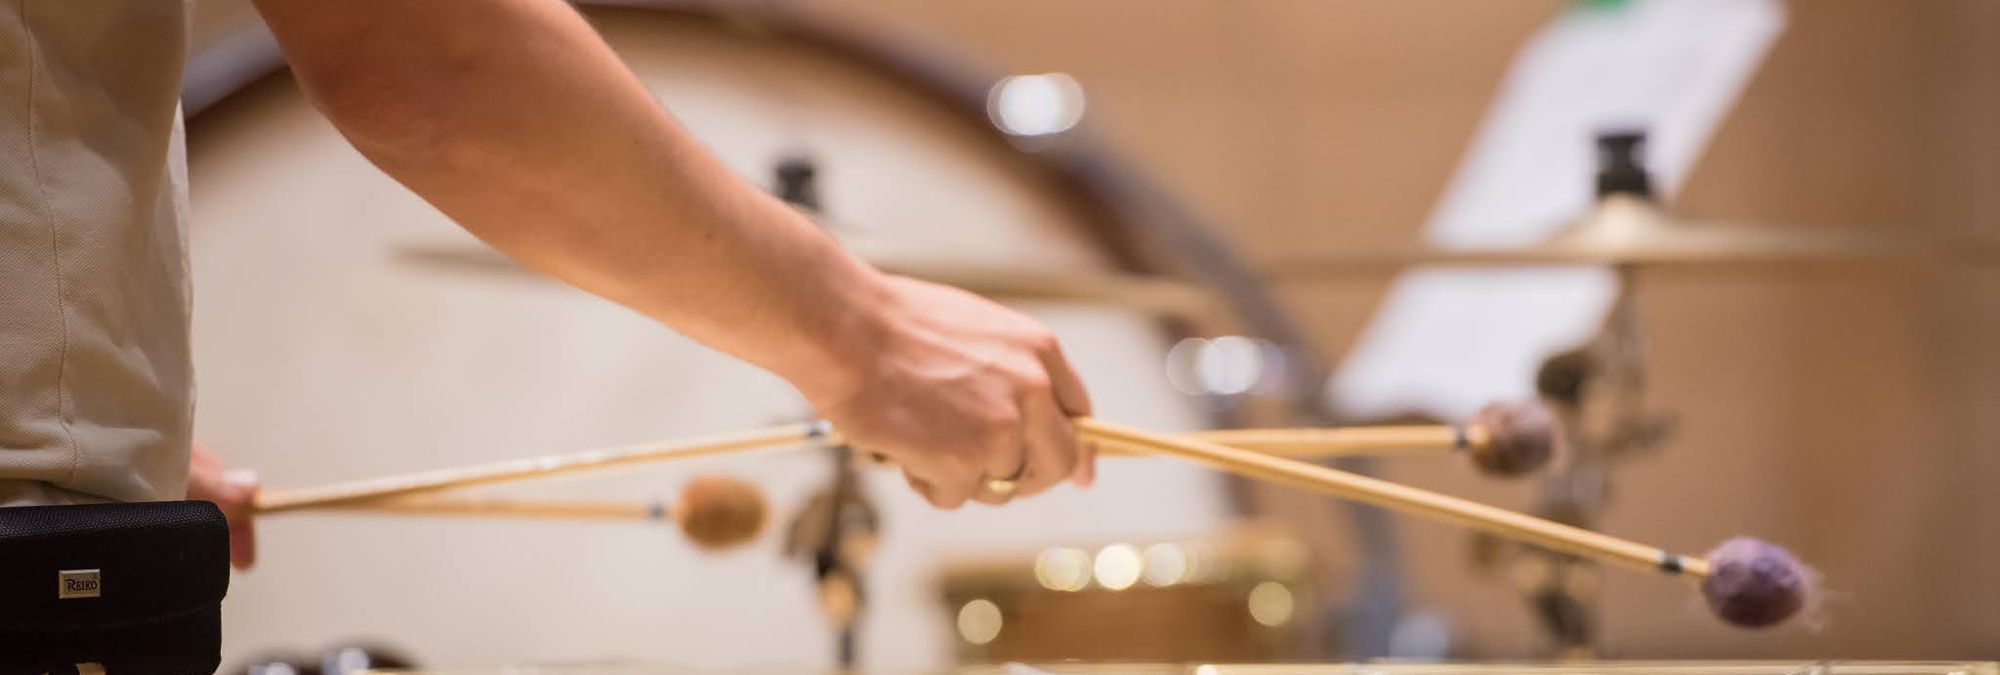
(240, 477)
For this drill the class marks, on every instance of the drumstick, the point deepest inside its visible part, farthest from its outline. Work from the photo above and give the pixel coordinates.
(536, 467)
(1746, 582)
(714, 512)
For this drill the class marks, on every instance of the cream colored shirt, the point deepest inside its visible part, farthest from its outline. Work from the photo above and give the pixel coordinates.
(95, 381)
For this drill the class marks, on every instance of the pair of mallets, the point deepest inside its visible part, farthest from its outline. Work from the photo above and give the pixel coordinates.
(1745, 582)
(717, 512)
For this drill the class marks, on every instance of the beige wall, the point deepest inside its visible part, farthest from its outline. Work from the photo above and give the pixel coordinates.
(324, 356)
(1841, 410)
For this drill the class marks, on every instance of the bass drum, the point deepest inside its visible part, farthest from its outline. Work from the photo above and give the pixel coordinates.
(325, 355)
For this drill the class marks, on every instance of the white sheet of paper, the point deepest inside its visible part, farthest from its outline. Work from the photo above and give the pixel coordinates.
(1448, 341)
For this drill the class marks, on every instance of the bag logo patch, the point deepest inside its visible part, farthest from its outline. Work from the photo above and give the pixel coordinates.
(73, 584)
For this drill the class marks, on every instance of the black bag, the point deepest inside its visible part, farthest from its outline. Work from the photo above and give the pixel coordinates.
(120, 589)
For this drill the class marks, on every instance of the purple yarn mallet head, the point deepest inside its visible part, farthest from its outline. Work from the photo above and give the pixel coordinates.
(1754, 584)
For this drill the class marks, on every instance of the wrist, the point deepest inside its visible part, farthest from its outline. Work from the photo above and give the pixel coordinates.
(836, 356)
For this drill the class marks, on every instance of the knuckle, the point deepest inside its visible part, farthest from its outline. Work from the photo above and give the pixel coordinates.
(1035, 382)
(1062, 438)
(1001, 420)
(968, 466)
(1001, 444)
(964, 468)
(1053, 469)
(1044, 342)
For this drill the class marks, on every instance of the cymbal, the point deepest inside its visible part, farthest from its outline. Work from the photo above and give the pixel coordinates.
(1158, 295)
(1628, 231)
(1618, 231)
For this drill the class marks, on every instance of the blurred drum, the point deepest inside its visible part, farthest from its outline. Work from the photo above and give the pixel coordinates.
(326, 356)
(1245, 595)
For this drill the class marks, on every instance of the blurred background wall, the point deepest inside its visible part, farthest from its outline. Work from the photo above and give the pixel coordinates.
(1842, 410)
(1848, 411)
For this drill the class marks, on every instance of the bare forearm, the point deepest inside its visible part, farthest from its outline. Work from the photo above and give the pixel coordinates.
(516, 120)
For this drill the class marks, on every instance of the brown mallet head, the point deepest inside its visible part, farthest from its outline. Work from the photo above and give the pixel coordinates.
(1754, 584)
(1511, 438)
(718, 512)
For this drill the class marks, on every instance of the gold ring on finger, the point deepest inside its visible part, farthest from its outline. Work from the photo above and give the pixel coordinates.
(1002, 486)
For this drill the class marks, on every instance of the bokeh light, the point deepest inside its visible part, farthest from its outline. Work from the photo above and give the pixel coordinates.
(1271, 603)
(1118, 566)
(1063, 569)
(979, 621)
(1035, 105)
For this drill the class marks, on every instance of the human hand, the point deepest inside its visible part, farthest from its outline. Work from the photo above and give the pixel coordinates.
(235, 492)
(959, 390)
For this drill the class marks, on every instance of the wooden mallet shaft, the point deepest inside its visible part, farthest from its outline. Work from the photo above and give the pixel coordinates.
(1320, 443)
(1396, 497)
(416, 494)
(1745, 582)
(502, 507)
(1502, 439)
(715, 512)
(1288, 442)
(410, 495)
(533, 467)
(1342, 441)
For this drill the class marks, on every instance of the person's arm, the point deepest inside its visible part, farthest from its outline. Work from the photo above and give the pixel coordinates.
(518, 122)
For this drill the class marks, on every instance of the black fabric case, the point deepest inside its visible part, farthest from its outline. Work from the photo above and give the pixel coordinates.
(163, 568)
